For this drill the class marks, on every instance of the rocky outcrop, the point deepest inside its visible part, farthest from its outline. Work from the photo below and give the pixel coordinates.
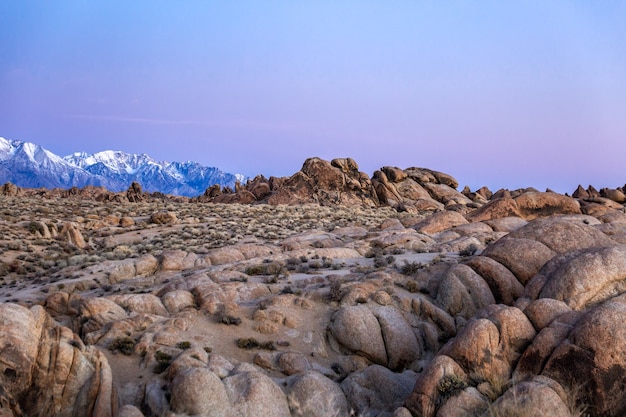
(134, 194)
(528, 206)
(558, 345)
(9, 190)
(340, 182)
(46, 370)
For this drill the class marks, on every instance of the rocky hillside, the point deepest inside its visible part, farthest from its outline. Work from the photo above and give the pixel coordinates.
(389, 296)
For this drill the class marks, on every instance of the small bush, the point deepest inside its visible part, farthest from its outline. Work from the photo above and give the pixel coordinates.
(184, 345)
(125, 345)
(450, 385)
(227, 319)
(412, 286)
(335, 292)
(411, 268)
(163, 361)
(251, 343)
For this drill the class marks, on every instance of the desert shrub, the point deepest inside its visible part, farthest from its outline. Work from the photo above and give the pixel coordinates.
(272, 268)
(380, 262)
(450, 385)
(411, 268)
(184, 345)
(252, 343)
(227, 319)
(163, 361)
(335, 293)
(316, 264)
(412, 286)
(125, 345)
(292, 264)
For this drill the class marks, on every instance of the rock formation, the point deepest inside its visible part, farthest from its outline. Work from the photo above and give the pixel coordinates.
(326, 293)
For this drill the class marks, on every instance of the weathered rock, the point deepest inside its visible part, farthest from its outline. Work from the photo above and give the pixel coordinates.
(534, 358)
(253, 394)
(490, 344)
(70, 233)
(593, 358)
(357, 329)
(198, 391)
(129, 411)
(291, 363)
(586, 277)
(440, 221)
(9, 190)
(544, 311)
(446, 194)
(47, 371)
(427, 394)
(97, 312)
(616, 195)
(463, 403)
(427, 311)
(463, 292)
(134, 193)
(523, 257)
(311, 394)
(376, 389)
(401, 343)
(163, 217)
(176, 260)
(126, 222)
(503, 284)
(394, 174)
(528, 205)
(178, 300)
(506, 224)
(538, 397)
(141, 304)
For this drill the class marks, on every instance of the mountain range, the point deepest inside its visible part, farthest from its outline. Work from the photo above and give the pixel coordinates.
(29, 165)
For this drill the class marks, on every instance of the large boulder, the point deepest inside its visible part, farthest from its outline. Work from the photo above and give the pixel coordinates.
(253, 394)
(593, 358)
(489, 345)
(586, 277)
(376, 389)
(357, 329)
(528, 205)
(462, 292)
(198, 391)
(401, 344)
(525, 250)
(439, 222)
(502, 283)
(427, 394)
(45, 370)
(311, 394)
(540, 396)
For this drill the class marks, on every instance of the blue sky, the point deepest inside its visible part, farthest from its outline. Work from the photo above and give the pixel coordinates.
(506, 94)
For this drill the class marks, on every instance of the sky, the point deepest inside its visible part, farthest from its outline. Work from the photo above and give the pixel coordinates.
(506, 94)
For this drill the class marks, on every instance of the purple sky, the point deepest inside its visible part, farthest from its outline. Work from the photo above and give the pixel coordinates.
(506, 94)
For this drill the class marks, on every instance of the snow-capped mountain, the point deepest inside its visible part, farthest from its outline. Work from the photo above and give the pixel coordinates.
(28, 165)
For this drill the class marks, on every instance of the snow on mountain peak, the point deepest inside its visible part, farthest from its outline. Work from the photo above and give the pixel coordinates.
(29, 165)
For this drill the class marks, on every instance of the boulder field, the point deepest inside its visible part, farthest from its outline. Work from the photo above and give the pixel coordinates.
(327, 293)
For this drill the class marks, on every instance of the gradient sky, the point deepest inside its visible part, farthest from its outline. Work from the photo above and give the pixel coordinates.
(506, 94)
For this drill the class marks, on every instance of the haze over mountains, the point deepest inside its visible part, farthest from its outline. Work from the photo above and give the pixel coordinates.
(29, 165)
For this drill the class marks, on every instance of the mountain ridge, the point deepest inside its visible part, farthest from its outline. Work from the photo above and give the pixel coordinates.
(29, 165)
